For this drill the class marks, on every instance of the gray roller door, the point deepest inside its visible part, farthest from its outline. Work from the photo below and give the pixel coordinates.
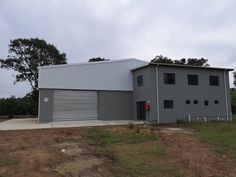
(74, 105)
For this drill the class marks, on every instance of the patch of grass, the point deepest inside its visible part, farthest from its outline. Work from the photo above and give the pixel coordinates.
(132, 152)
(106, 137)
(142, 160)
(221, 135)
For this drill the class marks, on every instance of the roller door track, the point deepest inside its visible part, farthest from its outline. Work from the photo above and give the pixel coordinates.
(74, 105)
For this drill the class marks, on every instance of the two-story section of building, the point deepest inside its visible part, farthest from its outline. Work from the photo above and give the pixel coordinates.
(181, 92)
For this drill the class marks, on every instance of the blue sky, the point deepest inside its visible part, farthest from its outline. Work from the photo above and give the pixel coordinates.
(121, 29)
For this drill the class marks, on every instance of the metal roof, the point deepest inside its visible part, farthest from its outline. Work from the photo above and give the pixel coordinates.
(183, 66)
(92, 63)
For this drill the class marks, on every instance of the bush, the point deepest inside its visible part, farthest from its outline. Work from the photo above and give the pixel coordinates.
(233, 101)
(181, 121)
(27, 105)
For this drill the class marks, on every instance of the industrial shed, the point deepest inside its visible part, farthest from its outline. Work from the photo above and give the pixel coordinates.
(133, 89)
(87, 91)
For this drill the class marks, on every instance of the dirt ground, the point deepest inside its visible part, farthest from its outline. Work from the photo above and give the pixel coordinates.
(64, 152)
(43, 152)
(194, 158)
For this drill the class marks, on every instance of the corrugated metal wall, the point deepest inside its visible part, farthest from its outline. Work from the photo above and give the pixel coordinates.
(74, 105)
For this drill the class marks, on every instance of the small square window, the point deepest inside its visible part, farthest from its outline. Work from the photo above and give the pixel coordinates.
(192, 79)
(187, 101)
(140, 81)
(195, 101)
(206, 102)
(168, 104)
(214, 80)
(216, 101)
(169, 78)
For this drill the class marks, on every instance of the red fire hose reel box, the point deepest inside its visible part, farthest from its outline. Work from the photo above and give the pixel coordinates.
(147, 107)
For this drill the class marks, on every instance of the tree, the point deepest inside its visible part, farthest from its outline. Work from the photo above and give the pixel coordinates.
(18, 106)
(183, 61)
(197, 62)
(235, 79)
(98, 59)
(233, 100)
(180, 62)
(162, 59)
(26, 55)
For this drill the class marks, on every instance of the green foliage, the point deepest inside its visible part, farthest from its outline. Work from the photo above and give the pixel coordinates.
(197, 62)
(233, 101)
(183, 61)
(98, 59)
(234, 118)
(106, 137)
(26, 55)
(27, 105)
(181, 121)
(162, 59)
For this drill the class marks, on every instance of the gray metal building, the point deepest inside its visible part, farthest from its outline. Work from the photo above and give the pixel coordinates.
(180, 92)
(121, 89)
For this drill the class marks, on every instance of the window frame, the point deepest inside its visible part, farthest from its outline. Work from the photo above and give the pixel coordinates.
(187, 101)
(166, 104)
(211, 82)
(206, 102)
(167, 81)
(191, 79)
(139, 80)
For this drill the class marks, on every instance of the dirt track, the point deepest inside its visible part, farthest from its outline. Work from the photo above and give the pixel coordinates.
(59, 152)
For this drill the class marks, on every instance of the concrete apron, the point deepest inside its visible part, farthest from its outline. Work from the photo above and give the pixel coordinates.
(31, 123)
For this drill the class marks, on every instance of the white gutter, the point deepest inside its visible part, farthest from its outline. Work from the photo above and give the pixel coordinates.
(157, 97)
(226, 99)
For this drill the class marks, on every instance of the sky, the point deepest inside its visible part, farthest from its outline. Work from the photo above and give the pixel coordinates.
(121, 29)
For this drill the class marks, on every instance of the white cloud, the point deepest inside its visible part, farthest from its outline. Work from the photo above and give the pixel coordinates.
(122, 29)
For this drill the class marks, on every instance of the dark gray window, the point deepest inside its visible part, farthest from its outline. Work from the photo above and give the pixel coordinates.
(216, 101)
(169, 78)
(140, 81)
(206, 102)
(192, 79)
(214, 80)
(168, 104)
(187, 101)
(195, 101)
